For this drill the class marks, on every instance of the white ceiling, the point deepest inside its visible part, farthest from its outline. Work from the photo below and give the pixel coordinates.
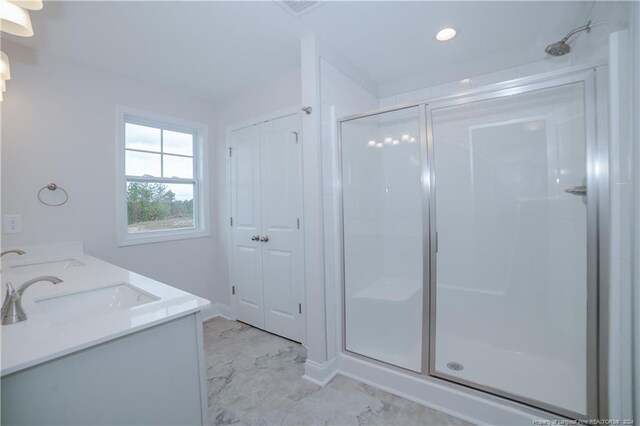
(214, 49)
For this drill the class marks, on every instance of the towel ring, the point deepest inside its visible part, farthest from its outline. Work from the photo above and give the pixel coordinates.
(52, 187)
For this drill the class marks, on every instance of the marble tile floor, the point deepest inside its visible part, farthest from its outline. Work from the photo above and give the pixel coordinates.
(255, 378)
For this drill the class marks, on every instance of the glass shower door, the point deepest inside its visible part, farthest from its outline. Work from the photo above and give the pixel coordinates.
(383, 239)
(510, 304)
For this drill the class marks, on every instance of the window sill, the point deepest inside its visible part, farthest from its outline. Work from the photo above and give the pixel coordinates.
(160, 236)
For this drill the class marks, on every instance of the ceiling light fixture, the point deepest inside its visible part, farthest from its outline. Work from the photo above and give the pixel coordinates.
(446, 34)
(14, 19)
(5, 71)
(28, 4)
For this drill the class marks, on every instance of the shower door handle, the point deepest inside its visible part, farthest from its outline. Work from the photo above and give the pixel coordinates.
(577, 190)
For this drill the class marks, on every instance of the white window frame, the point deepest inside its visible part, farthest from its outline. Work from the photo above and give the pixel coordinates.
(201, 177)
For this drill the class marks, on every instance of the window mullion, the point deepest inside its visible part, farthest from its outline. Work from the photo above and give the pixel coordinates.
(153, 179)
(145, 151)
(162, 152)
(195, 151)
(158, 152)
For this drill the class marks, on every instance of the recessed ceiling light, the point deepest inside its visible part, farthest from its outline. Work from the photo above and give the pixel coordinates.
(446, 34)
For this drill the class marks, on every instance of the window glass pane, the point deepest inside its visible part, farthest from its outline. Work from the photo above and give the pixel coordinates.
(141, 137)
(154, 206)
(142, 163)
(177, 142)
(181, 167)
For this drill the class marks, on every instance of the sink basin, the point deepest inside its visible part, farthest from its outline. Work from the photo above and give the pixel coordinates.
(53, 267)
(83, 305)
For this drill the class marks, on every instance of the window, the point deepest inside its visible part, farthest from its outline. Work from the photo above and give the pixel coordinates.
(161, 178)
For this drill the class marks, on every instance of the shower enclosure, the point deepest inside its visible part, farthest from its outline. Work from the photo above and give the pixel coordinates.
(471, 240)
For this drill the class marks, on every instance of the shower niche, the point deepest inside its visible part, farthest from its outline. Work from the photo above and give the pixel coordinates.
(470, 240)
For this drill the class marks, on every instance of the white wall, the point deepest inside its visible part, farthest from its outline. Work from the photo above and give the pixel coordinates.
(610, 43)
(334, 88)
(241, 108)
(621, 261)
(58, 125)
(635, 202)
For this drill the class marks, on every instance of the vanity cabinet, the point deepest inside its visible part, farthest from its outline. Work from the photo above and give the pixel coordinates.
(152, 377)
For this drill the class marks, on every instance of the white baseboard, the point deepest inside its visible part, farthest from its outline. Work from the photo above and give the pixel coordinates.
(217, 310)
(320, 373)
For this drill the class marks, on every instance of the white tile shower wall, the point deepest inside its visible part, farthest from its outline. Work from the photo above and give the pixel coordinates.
(59, 125)
(340, 96)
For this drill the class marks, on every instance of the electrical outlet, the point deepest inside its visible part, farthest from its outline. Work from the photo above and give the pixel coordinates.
(12, 224)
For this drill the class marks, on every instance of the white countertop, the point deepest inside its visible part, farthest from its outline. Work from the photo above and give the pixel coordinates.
(41, 338)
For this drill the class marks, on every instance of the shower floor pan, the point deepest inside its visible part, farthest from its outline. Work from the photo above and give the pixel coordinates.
(561, 384)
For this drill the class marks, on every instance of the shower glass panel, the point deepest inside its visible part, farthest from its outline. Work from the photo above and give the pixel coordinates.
(382, 228)
(511, 267)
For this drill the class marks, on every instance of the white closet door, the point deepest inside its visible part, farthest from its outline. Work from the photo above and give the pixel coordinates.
(245, 212)
(281, 200)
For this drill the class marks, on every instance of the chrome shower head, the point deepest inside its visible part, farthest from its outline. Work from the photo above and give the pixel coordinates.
(558, 48)
(561, 47)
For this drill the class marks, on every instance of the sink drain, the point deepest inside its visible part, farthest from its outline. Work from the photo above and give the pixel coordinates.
(455, 366)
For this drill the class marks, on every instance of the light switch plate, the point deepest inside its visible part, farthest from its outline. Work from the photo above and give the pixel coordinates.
(12, 224)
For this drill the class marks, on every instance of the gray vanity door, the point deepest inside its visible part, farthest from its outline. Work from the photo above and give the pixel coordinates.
(151, 377)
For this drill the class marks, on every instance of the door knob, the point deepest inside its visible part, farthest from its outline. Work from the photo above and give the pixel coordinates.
(255, 238)
(264, 239)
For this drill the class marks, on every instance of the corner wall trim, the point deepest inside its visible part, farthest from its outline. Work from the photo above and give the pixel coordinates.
(217, 310)
(320, 373)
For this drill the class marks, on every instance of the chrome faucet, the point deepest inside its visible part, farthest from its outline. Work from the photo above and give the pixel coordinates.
(18, 252)
(12, 307)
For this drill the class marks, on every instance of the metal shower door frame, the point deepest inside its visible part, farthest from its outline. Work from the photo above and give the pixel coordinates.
(594, 79)
(597, 232)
